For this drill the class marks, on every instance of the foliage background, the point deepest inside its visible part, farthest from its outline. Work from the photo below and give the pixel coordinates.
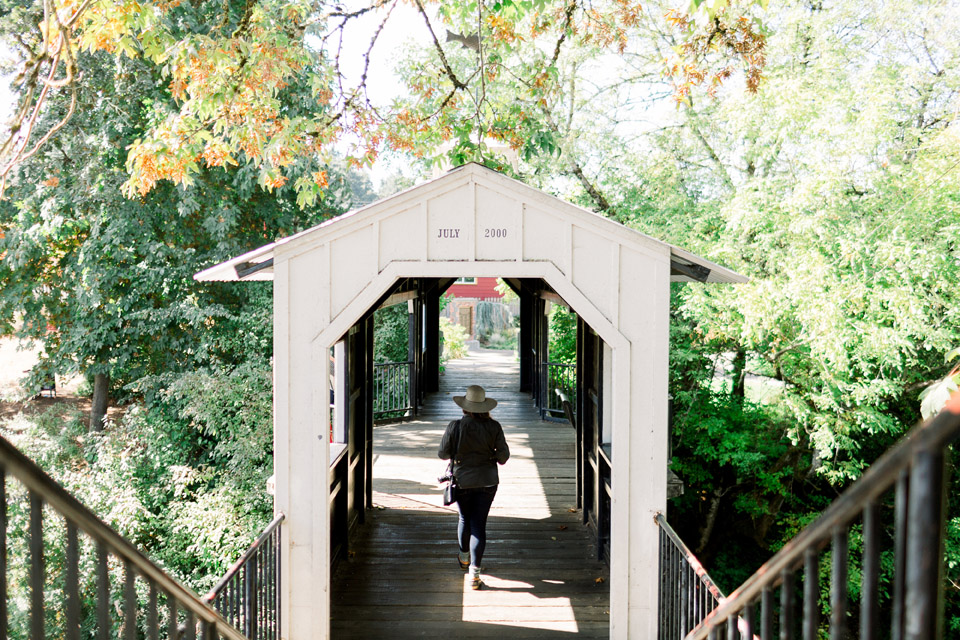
(834, 187)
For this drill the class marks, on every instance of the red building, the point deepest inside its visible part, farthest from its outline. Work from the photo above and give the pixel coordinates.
(476, 288)
(465, 294)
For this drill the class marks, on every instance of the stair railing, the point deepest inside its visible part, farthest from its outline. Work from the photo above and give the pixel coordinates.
(24, 576)
(915, 470)
(687, 592)
(248, 595)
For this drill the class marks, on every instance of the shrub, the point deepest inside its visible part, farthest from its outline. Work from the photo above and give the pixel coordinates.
(391, 334)
(454, 340)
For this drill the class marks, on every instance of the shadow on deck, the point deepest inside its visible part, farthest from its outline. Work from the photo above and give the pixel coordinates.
(401, 578)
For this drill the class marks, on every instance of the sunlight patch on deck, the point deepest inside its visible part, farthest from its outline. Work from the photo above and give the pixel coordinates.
(526, 610)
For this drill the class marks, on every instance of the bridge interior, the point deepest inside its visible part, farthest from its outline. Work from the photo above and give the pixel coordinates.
(399, 577)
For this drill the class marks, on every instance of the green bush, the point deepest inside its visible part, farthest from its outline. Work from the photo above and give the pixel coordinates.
(563, 335)
(454, 340)
(507, 339)
(391, 334)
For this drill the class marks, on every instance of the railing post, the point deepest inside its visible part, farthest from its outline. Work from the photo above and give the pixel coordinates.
(3, 552)
(766, 614)
(129, 602)
(811, 594)
(661, 566)
(838, 585)
(684, 601)
(786, 605)
(901, 501)
(103, 593)
(278, 572)
(412, 387)
(925, 547)
(171, 616)
(153, 620)
(71, 585)
(36, 567)
(870, 586)
(250, 598)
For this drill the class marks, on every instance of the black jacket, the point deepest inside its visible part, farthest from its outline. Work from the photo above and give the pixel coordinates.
(482, 446)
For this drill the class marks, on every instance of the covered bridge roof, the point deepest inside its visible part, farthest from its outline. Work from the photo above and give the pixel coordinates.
(685, 266)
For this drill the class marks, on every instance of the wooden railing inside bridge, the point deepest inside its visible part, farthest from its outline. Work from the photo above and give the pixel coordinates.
(392, 389)
(561, 382)
(60, 571)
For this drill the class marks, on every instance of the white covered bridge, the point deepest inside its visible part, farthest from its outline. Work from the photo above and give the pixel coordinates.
(472, 221)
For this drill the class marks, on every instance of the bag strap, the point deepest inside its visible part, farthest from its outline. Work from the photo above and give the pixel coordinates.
(459, 430)
(453, 458)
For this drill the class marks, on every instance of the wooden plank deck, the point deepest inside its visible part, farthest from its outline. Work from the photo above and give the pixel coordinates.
(401, 578)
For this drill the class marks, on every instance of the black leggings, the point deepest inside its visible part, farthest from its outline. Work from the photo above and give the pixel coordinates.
(474, 506)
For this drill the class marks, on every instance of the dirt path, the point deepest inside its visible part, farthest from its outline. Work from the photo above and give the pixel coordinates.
(14, 364)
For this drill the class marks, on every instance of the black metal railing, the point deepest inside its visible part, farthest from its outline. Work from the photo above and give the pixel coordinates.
(561, 379)
(391, 389)
(62, 570)
(687, 593)
(248, 595)
(915, 472)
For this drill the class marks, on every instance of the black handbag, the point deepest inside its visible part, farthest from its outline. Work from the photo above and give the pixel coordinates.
(450, 490)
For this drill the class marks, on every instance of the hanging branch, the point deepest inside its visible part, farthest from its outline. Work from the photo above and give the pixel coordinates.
(576, 169)
(55, 48)
(567, 22)
(457, 84)
(483, 84)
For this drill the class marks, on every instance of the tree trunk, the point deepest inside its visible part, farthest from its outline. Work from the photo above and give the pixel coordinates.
(707, 530)
(101, 384)
(739, 374)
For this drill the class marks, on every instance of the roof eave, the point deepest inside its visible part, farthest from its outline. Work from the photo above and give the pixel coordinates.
(249, 266)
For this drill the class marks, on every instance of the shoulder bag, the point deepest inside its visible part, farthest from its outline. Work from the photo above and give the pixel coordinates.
(450, 490)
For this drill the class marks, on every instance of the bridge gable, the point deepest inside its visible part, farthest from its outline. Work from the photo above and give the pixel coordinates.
(468, 219)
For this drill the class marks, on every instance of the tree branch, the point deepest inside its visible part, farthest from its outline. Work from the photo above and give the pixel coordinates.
(603, 205)
(457, 84)
(568, 20)
(712, 154)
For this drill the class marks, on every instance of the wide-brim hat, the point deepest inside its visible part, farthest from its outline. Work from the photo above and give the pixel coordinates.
(476, 400)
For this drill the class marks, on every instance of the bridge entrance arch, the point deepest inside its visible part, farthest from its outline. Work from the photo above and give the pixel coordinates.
(470, 222)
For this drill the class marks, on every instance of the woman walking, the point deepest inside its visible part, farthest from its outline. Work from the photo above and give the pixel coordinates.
(476, 444)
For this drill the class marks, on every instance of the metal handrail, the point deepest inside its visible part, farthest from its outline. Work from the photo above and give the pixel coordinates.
(42, 486)
(248, 596)
(919, 451)
(689, 557)
(235, 569)
(687, 592)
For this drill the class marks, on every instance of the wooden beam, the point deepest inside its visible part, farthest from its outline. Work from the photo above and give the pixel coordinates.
(398, 298)
(551, 296)
(514, 284)
(690, 270)
(245, 269)
(445, 283)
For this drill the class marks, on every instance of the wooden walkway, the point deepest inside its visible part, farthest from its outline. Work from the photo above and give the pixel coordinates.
(401, 579)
